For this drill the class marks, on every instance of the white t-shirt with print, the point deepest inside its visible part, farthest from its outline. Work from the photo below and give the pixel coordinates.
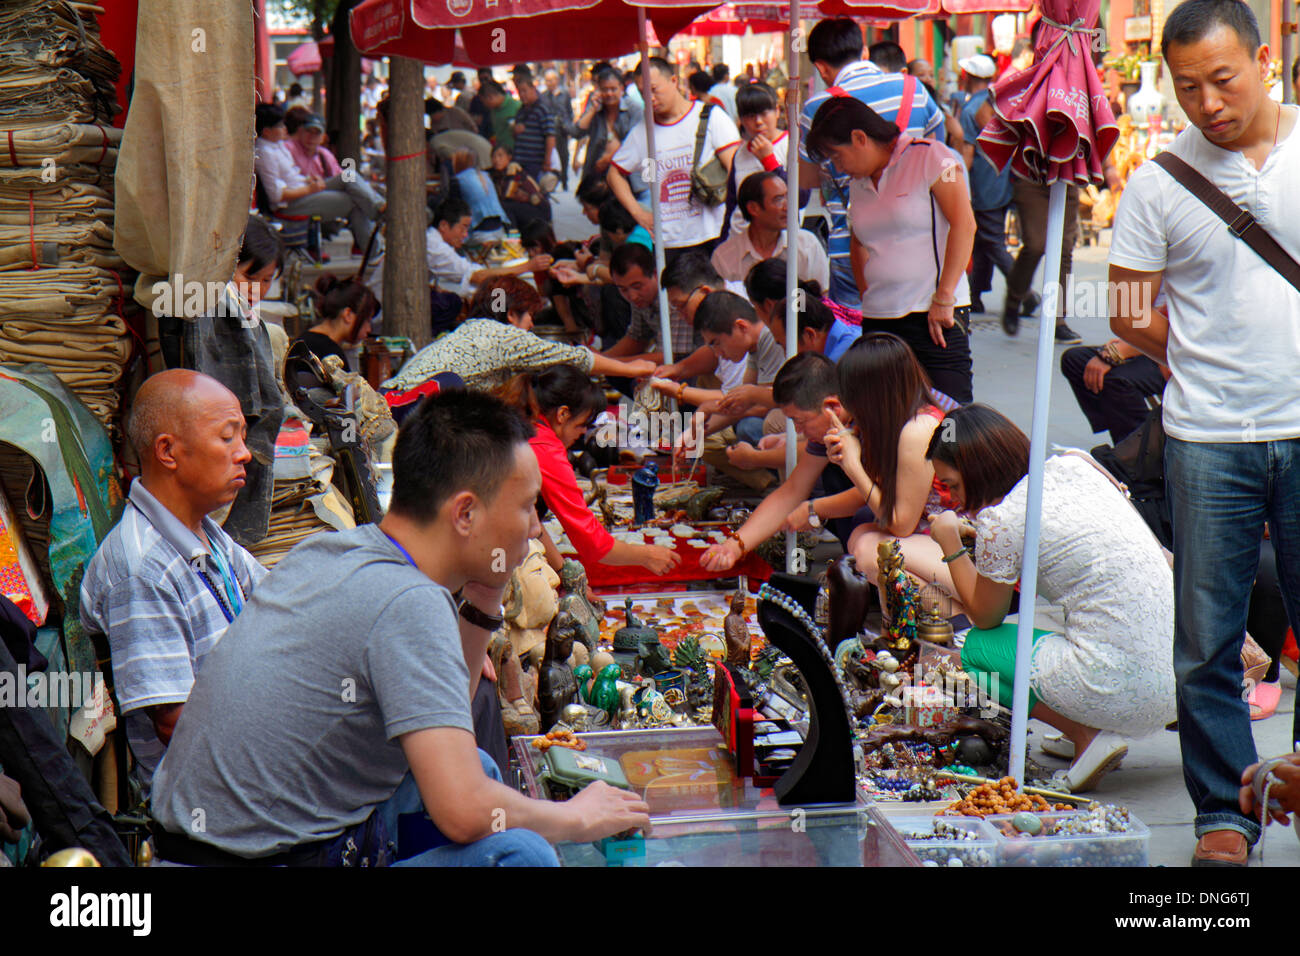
(685, 221)
(1234, 322)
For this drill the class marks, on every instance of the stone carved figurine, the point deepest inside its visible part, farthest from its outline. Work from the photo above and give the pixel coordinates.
(516, 688)
(736, 630)
(556, 685)
(848, 599)
(530, 600)
(604, 692)
(573, 599)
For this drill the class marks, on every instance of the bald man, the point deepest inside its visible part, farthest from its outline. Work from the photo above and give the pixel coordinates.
(167, 580)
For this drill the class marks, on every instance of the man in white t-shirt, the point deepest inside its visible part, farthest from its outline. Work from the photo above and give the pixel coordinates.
(687, 223)
(1231, 338)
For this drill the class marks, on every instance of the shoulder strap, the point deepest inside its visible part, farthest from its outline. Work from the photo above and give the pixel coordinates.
(905, 106)
(701, 131)
(1240, 222)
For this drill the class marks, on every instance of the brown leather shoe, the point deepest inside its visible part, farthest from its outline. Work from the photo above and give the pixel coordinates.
(1221, 848)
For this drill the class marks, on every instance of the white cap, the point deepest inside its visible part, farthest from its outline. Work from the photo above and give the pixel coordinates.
(979, 65)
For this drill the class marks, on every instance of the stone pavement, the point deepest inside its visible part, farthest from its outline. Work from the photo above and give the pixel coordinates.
(1150, 781)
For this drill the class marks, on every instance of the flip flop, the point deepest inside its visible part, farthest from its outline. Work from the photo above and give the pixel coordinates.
(1264, 699)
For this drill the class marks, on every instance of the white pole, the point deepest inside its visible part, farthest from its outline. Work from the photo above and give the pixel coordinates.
(792, 246)
(1037, 452)
(665, 327)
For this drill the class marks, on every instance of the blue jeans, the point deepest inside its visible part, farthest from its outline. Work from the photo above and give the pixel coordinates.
(750, 429)
(507, 848)
(1220, 495)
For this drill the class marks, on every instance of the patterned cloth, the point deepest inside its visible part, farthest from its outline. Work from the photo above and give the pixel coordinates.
(143, 593)
(486, 353)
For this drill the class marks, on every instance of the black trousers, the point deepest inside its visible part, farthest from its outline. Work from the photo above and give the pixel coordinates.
(990, 250)
(949, 368)
(1121, 406)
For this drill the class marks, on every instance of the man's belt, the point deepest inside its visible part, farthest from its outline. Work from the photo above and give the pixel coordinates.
(178, 848)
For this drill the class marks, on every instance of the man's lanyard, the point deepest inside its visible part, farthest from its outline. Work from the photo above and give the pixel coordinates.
(406, 554)
(234, 595)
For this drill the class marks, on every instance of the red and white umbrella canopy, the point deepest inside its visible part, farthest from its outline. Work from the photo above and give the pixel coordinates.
(1053, 121)
(304, 59)
(496, 32)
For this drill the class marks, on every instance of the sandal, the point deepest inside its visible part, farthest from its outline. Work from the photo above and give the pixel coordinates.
(1264, 699)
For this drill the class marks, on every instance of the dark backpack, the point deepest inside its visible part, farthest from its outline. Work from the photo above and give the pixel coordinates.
(1139, 462)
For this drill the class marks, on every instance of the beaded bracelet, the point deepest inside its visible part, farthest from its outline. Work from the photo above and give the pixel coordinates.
(949, 559)
(733, 534)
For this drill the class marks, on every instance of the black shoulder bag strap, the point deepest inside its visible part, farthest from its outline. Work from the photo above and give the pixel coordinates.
(1240, 222)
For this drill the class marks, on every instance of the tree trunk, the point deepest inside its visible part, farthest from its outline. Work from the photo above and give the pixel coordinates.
(343, 100)
(406, 278)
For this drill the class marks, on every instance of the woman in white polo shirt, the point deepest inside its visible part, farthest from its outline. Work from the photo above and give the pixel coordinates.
(912, 233)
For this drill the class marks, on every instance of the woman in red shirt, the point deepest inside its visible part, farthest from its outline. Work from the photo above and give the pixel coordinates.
(561, 401)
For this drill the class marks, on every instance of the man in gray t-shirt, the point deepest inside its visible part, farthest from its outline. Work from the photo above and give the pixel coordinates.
(340, 698)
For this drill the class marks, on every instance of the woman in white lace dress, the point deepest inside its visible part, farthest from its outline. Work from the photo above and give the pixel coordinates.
(1109, 677)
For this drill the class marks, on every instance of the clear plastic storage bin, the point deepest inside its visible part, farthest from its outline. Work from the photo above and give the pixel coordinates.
(980, 851)
(1130, 848)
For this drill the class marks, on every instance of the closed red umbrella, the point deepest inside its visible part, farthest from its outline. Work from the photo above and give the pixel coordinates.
(1052, 121)
(1054, 125)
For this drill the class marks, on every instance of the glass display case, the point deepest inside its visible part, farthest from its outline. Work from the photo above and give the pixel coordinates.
(702, 814)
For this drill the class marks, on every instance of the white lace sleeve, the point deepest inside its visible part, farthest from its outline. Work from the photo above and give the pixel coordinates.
(999, 544)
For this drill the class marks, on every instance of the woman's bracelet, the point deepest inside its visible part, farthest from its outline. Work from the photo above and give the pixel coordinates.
(681, 390)
(949, 559)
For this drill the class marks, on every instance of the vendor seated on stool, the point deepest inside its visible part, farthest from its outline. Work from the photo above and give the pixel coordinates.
(818, 493)
(166, 582)
(1112, 384)
(339, 703)
(1109, 677)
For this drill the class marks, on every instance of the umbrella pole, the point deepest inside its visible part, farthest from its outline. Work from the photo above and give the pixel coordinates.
(792, 250)
(1037, 452)
(665, 327)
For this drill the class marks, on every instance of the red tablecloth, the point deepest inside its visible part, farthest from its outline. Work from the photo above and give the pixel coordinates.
(611, 577)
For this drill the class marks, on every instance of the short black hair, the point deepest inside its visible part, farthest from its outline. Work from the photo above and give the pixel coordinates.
(451, 211)
(836, 41)
(752, 190)
(260, 247)
(632, 254)
(457, 77)
(805, 380)
(810, 311)
(720, 310)
(433, 106)
(537, 232)
(766, 281)
(720, 72)
(455, 441)
(614, 217)
(657, 63)
(593, 190)
(272, 114)
(836, 119)
(755, 98)
(888, 55)
(491, 88)
(1192, 20)
(700, 83)
(689, 271)
(607, 74)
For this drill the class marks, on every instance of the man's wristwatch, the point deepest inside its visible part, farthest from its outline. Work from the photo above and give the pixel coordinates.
(479, 617)
(814, 520)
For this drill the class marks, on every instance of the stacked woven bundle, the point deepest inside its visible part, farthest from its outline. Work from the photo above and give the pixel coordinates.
(62, 286)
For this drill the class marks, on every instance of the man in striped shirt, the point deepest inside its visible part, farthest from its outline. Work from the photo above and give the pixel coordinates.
(835, 48)
(534, 127)
(167, 580)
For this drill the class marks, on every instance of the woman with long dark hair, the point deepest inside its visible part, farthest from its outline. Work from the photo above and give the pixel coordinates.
(912, 235)
(345, 309)
(561, 402)
(1109, 675)
(885, 390)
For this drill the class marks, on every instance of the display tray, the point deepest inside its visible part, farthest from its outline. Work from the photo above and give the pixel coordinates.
(1130, 848)
(676, 615)
(702, 814)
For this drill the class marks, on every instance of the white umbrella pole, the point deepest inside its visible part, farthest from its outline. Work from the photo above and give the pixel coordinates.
(665, 327)
(1037, 452)
(792, 248)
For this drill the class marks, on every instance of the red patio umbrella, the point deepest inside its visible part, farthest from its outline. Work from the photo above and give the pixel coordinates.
(1054, 125)
(305, 59)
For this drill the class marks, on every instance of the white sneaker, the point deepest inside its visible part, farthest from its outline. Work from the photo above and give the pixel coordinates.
(1103, 755)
